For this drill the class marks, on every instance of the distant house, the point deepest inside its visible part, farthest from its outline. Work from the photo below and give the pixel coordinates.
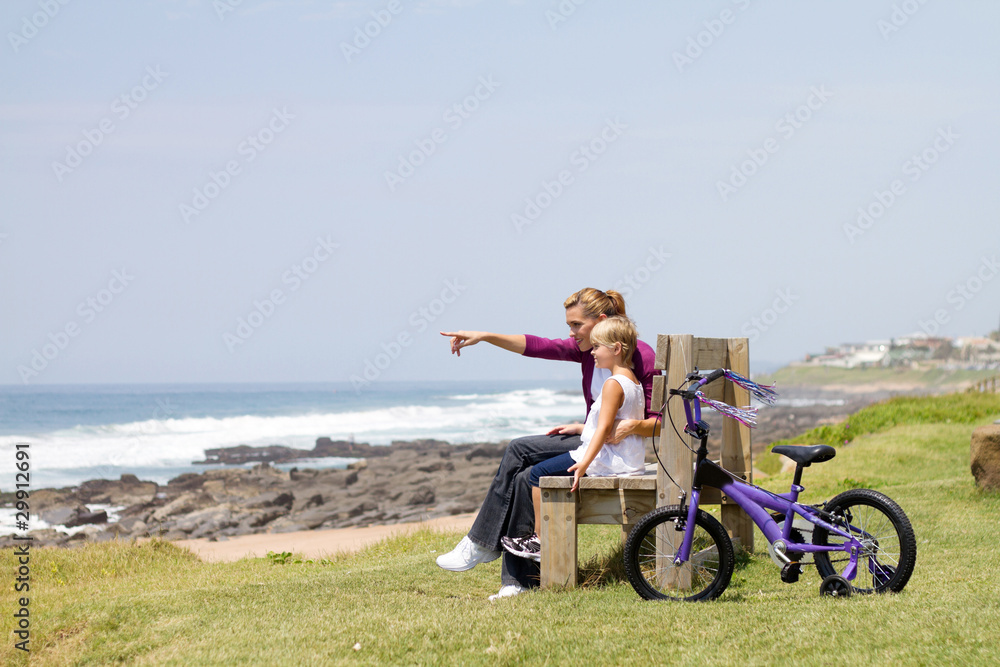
(978, 351)
(854, 355)
(912, 350)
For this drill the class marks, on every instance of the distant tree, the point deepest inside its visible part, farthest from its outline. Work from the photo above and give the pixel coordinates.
(944, 350)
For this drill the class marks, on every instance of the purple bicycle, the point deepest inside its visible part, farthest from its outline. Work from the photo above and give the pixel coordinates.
(860, 540)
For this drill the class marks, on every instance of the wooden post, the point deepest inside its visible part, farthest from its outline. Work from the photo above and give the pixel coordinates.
(679, 355)
(558, 535)
(736, 444)
(678, 360)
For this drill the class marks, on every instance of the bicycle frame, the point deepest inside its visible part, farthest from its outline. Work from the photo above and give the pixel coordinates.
(754, 500)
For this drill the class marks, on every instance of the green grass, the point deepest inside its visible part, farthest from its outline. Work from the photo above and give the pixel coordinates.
(825, 376)
(961, 408)
(156, 604)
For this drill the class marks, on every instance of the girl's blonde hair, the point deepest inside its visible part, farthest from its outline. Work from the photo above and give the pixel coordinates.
(617, 329)
(596, 303)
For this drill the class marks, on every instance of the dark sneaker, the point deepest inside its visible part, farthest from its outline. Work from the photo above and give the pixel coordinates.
(525, 547)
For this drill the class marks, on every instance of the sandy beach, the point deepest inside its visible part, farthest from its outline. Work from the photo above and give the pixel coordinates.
(314, 543)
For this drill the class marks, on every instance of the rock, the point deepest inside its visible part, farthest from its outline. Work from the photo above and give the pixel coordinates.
(245, 454)
(117, 530)
(132, 526)
(436, 466)
(985, 456)
(297, 475)
(307, 500)
(46, 498)
(47, 537)
(261, 517)
(316, 517)
(183, 504)
(141, 511)
(423, 496)
(206, 521)
(285, 525)
(84, 516)
(485, 451)
(188, 480)
(88, 533)
(71, 517)
(271, 499)
(344, 449)
(362, 507)
(128, 490)
(58, 516)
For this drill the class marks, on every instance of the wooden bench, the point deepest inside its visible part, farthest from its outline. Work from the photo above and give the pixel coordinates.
(599, 500)
(623, 500)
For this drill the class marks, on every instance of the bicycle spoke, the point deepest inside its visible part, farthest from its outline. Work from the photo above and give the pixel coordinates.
(886, 555)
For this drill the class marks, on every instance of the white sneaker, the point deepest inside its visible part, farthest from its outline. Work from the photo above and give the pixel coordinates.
(466, 556)
(507, 591)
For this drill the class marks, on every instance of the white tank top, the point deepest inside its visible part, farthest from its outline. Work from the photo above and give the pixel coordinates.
(628, 457)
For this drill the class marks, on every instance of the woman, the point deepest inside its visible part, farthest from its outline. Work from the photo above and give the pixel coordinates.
(507, 509)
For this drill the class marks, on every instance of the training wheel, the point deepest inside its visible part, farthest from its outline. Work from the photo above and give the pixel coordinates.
(836, 586)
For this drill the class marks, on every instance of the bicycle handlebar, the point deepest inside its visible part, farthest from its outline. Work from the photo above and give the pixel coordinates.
(714, 375)
(697, 381)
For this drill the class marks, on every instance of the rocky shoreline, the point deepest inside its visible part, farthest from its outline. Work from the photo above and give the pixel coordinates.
(402, 482)
(406, 481)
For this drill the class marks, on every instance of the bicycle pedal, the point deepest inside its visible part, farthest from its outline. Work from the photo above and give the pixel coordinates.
(790, 572)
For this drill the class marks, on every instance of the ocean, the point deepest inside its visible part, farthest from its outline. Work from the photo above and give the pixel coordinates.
(81, 432)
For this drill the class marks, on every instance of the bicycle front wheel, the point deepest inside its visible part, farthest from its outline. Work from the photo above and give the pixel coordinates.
(655, 540)
(889, 548)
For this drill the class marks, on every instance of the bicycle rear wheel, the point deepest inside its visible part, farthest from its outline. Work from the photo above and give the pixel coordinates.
(889, 548)
(650, 550)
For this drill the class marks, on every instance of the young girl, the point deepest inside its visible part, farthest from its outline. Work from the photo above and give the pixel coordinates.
(614, 342)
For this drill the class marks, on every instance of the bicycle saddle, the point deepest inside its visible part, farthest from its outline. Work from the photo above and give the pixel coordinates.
(806, 454)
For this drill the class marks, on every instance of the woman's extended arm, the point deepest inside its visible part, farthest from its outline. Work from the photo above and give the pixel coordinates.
(460, 339)
(612, 398)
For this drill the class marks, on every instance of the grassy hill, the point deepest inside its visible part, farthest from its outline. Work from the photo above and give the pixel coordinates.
(156, 604)
(874, 379)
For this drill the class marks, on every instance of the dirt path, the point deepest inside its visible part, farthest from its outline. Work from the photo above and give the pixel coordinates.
(314, 543)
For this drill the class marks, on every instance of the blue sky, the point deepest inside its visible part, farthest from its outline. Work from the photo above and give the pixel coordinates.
(193, 194)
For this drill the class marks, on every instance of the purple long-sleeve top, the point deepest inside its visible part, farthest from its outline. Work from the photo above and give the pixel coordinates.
(566, 349)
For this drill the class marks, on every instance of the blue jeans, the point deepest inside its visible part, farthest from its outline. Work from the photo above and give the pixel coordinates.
(557, 466)
(508, 510)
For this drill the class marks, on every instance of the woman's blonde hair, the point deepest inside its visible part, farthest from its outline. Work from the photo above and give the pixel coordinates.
(617, 329)
(596, 303)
